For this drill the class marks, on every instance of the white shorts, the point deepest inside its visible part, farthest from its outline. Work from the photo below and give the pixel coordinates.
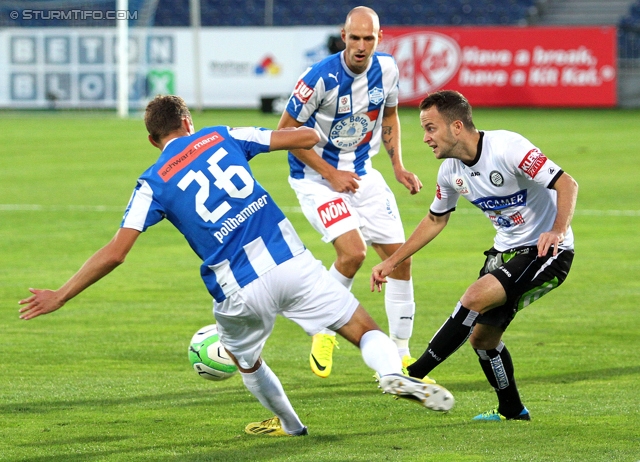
(300, 289)
(372, 209)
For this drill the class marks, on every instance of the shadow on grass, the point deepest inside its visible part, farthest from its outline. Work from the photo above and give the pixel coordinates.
(301, 391)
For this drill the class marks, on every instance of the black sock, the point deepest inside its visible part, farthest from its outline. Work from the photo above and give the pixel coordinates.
(451, 336)
(498, 368)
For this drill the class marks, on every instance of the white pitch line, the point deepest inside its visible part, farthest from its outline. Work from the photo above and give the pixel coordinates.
(59, 208)
(113, 208)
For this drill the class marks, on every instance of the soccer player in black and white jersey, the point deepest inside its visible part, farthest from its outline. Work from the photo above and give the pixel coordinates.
(530, 200)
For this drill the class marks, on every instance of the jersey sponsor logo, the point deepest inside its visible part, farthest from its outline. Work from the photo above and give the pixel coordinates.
(188, 155)
(344, 104)
(438, 192)
(353, 130)
(302, 92)
(496, 178)
(376, 95)
(518, 199)
(517, 218)
(532, 162)
(507, 222)
(332, 212)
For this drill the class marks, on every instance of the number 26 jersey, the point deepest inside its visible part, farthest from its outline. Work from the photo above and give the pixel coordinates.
(203, 185)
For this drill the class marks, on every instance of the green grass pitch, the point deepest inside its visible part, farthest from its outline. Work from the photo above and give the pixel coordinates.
(106, 378)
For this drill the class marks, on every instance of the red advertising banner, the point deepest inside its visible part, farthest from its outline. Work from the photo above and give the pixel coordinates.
(507, 66)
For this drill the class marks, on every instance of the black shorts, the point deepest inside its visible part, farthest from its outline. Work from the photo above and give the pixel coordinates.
(525, 278)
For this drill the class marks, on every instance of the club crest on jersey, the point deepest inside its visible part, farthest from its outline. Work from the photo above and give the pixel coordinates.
(333, 211)
(532, 162)
(376, 95)
(460, 185)
(496, 178)
(344, 104)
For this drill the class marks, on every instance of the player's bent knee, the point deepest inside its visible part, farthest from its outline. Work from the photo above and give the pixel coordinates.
(349, 264)
(485, 337)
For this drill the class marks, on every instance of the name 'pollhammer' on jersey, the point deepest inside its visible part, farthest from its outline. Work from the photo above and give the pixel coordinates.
(203, 185)
(346, 109)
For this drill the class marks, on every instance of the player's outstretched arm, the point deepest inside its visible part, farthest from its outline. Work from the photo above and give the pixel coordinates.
(567, 189)
(101, 263)
(340, 180)
(427, 230)
(391, 141)
(291, 138)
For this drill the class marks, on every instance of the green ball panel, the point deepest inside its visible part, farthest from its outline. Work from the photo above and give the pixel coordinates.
(212, 354)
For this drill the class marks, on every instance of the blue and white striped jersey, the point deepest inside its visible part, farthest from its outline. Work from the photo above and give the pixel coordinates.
(203, 185)
(346, 109)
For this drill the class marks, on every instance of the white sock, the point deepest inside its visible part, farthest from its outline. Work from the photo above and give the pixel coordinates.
(402, 344)
(379, 353)
(265, 386)
(401, 308)
(341, 278)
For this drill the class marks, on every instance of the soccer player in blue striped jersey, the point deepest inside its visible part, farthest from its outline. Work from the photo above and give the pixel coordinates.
(254, 265)
(351, 99)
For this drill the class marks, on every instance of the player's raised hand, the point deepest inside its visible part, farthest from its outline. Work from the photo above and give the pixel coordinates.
(343, 181)
(41, 302)
(409, 180)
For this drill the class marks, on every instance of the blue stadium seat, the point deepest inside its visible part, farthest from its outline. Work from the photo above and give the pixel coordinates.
(629, 33)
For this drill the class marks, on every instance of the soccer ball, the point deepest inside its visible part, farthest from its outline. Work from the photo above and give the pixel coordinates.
(208, 357)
